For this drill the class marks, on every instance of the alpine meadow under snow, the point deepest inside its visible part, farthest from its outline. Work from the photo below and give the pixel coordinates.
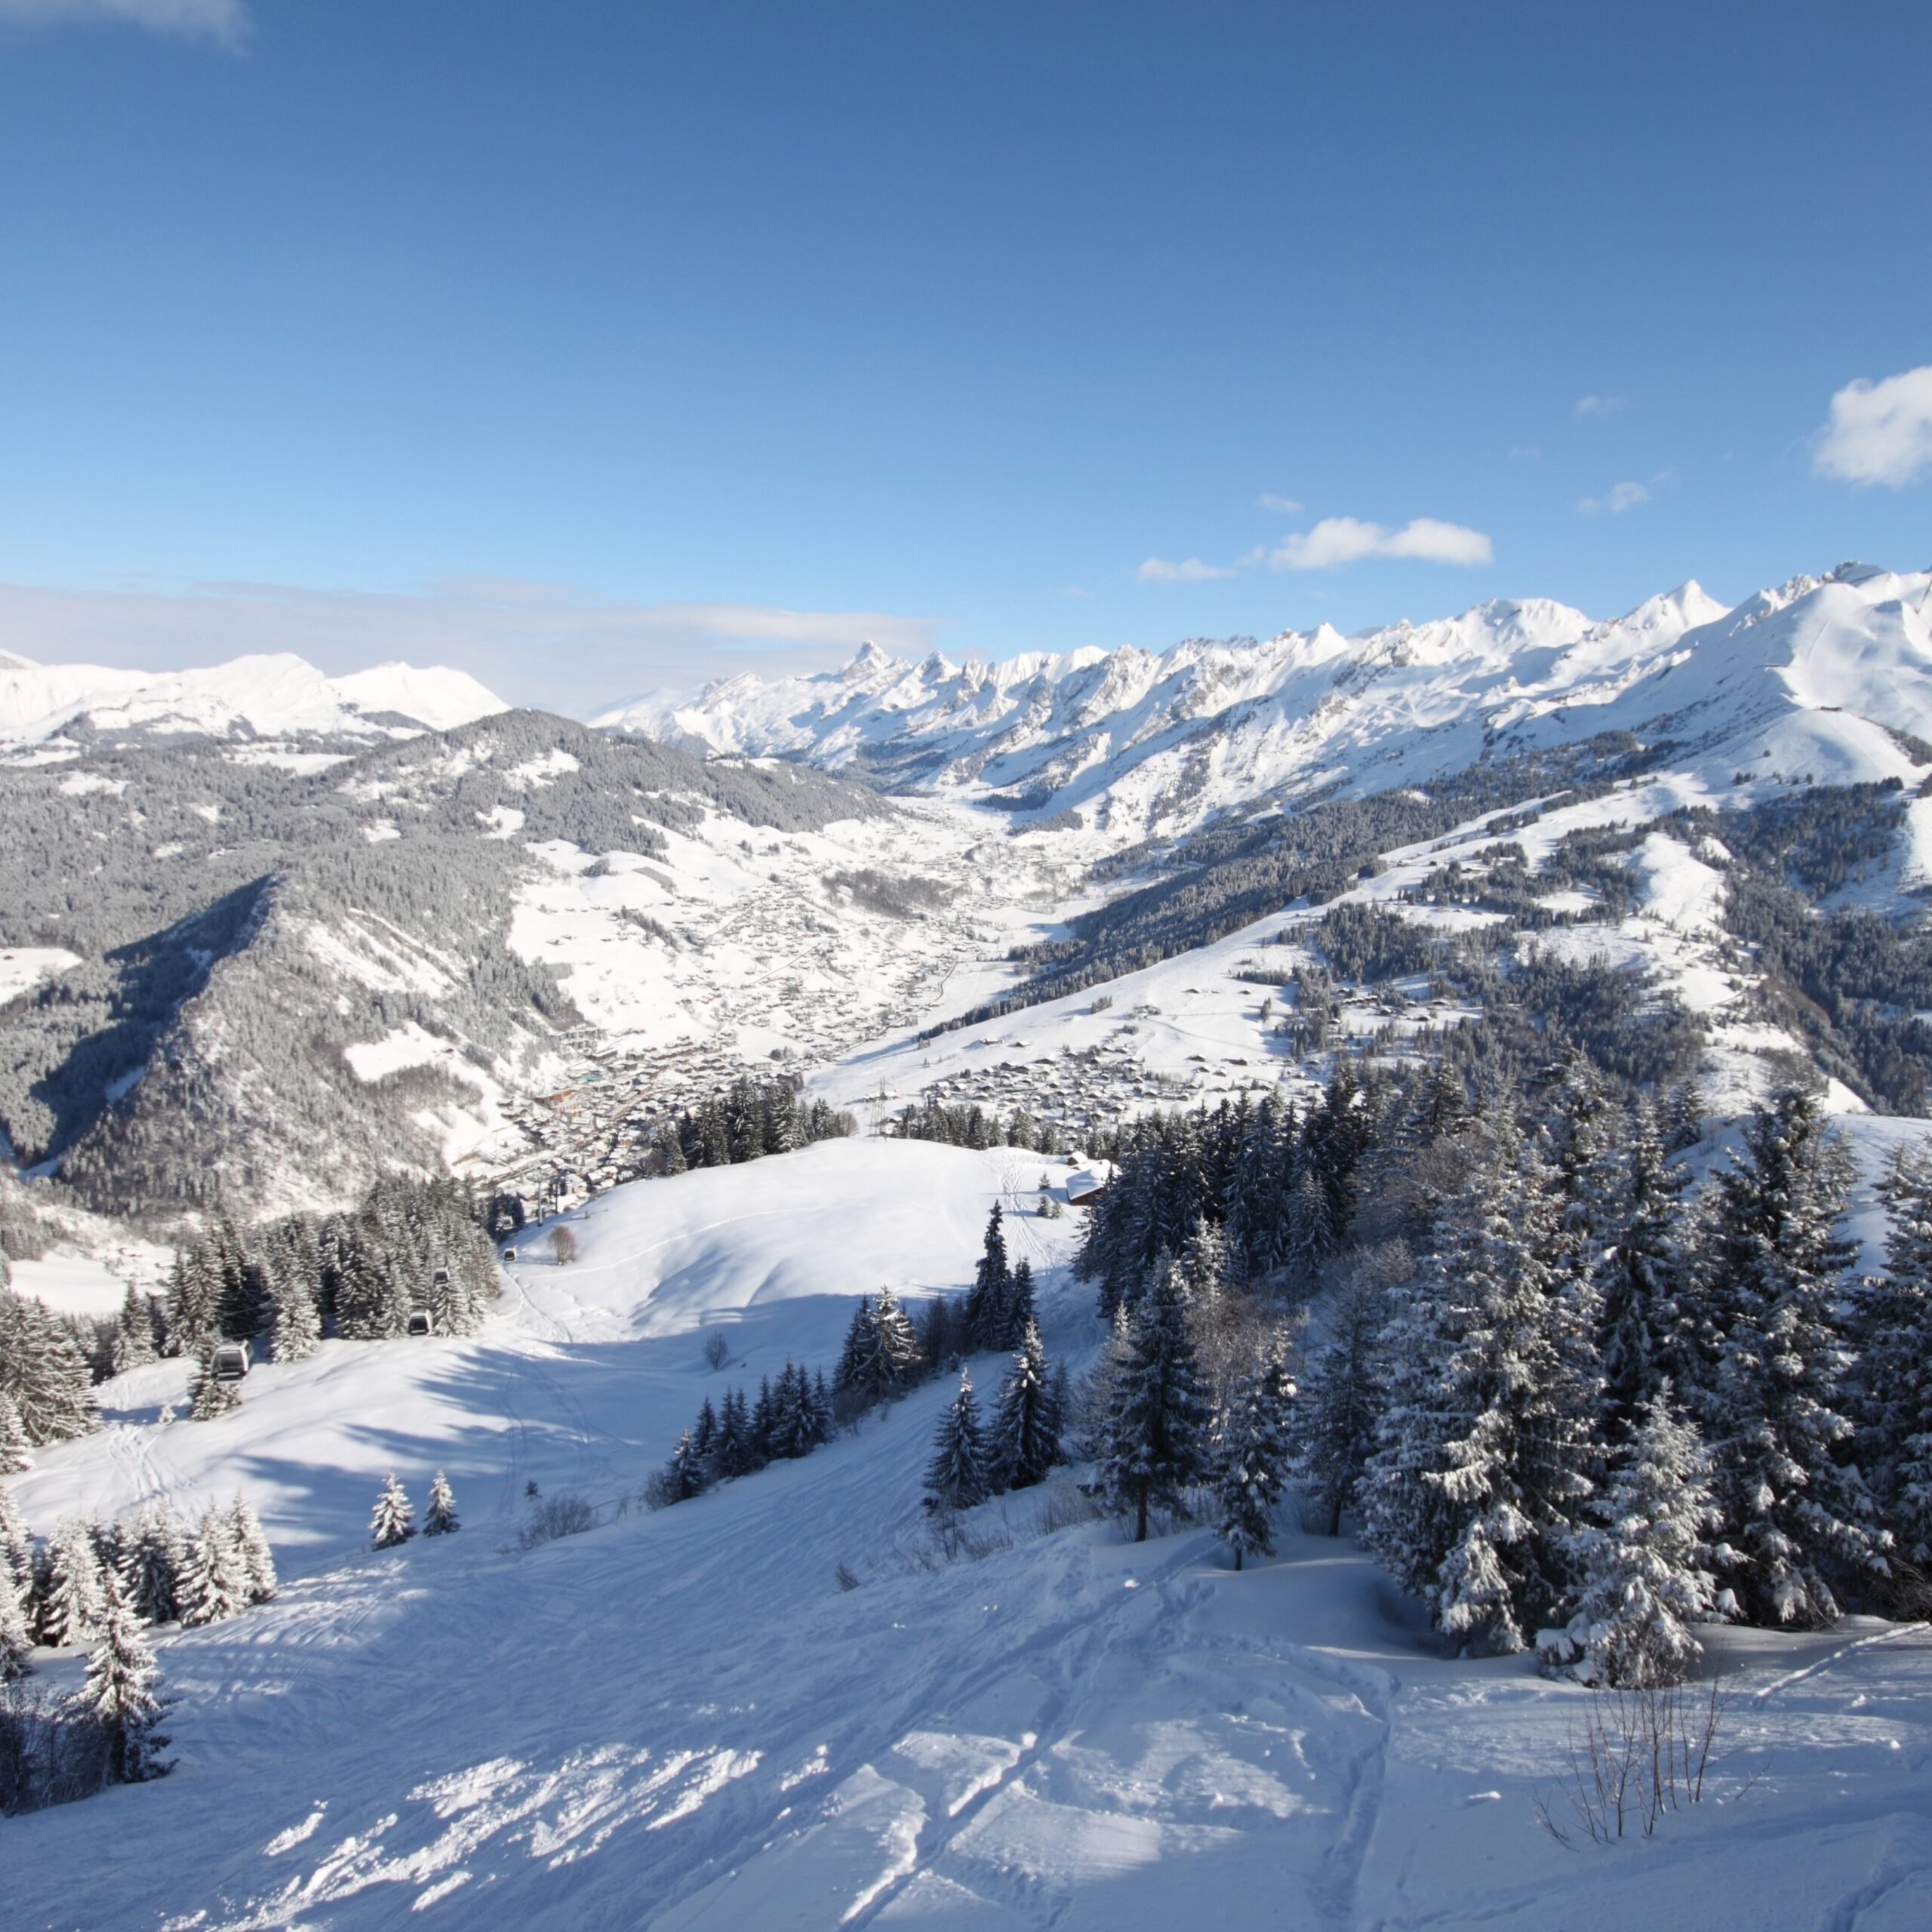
(1291, 1279)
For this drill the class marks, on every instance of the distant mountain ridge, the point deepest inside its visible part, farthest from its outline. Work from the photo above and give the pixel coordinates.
(1817, 674)
(57, 708)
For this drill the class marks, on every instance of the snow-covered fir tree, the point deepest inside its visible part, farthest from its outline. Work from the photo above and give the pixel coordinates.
(16, 1544)
(682, 1477)
(1017, 1313)
(214, 1583)
(134, 1333)
(251, 1545)
(1801, 1521)
(1024, 1437)
(71, 1600)
(119, 1693)
(153, 1561)
(1250, 1450)
(43, 1372)
(15, 1455)
(1645, 1333)
(16, 1639)
(440, 1518)
(392, 1521)
(984, 1316)
(1331, 1428)
(1154, 1437)
(880, 1358)
(956, 1477)
(1645, 1565)
(1890, 1390)
(1491, 1420)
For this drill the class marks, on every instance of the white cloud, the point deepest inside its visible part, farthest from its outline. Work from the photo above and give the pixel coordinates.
(1192, 570)
(1880, 432)
(1282, 505)
(1621, 497)
(224, 20)
(1336, 540)
(539, 644)
(1602, 405)
(1527, 452)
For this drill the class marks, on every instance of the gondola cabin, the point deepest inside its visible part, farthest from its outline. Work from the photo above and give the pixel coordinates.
(421, 1322)
(231, 1361)
(509, 1255)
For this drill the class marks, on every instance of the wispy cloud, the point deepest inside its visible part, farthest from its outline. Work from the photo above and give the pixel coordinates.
(1602, 405)
(223, 20)
(1190, 570)
(1526, 452)
(540, 644)
(1621, 497)
(1338, 540)
(1281, 506)
(1879, 433)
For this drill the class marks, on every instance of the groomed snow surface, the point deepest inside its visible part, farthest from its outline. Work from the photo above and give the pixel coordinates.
(683, 1721)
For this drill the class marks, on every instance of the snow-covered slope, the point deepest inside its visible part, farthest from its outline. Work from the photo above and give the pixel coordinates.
(1815, 672)
(278, 695)
(683, 1721)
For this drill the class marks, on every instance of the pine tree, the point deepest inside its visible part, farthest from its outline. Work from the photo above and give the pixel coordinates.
(1890, 1394)
(1250, 1451)
(1027, 1419)
(1802, 1522)
(1642, 1338)
(251, 1545)
(152, 1565)
(896, 1348)
(984, 1314)
(297, 1322)
(1645, 1565)
(1331, 1428)
(1153, 1442)
(214, 1582)
(15, 1456)
(16, 1640)
(71, 1601)
(134, 1333)
(43, 1372)
(392, 1521)
(730, 1454)
(1018, 1308)
(1491, 1420)
(119, 1693)
(441, 1518)
(683, 1478)
(16, 1546)
(956, 1477)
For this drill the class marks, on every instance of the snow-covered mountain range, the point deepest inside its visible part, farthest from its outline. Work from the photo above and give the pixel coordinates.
(1817, 674)
(54, 708)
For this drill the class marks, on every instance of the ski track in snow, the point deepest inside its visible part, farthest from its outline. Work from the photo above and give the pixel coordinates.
(679, 1721)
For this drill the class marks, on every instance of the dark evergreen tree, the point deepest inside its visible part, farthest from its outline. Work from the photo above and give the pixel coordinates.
(1027, 1419)
(1490, 1421)
(1802, 1522)
(119, 1693)
(1890, 1390)
(1643, 1338)
(956, 1477)
(1155, 1436)
(1016, 1312)
(441, 1518)
(1331, 1428)
(984, 1316)
(1251, 1450)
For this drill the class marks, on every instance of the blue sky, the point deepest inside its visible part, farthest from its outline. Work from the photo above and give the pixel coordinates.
(601, 347)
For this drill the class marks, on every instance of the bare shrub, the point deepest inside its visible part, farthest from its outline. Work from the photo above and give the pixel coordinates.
(1062, 1504)
(845, 1578)
(51, 1752)
(563, 1244)
(1639, 1753)
(717, 1349)
(555, 1516)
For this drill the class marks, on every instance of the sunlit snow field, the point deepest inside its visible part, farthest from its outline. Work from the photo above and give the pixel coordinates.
(683, 1720)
